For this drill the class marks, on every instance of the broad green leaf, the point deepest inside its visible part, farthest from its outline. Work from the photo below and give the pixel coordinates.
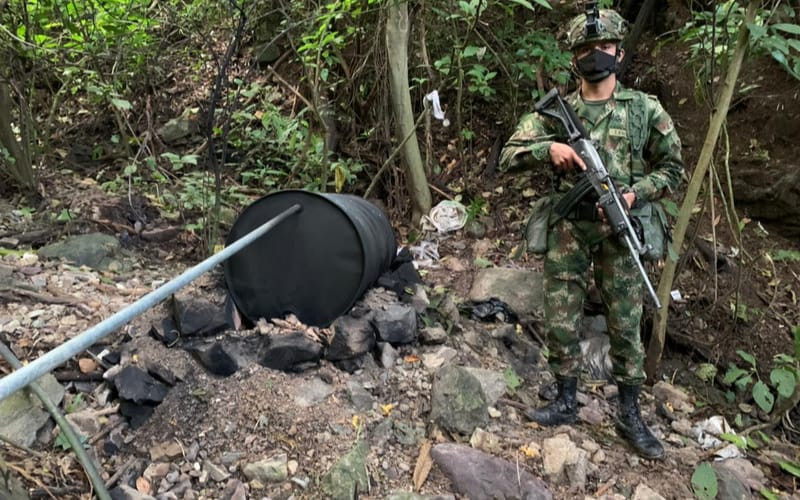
(470, 50)
(743, 382)
(747, 357)
(528, 5)
(121, 103)
(796, 334)
(784, 381)
(788, 28)
(739, 441)
(704, 482)
(792, 468)
(733, 374)
(768, 494)
(763, 396)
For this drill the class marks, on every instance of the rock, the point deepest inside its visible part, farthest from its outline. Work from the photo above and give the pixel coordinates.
(214, 358)
(215, 472)
(730, 486)
(351, 337)
(458, 403)
(168, 450)
(435, 360)
(96, 250)
(195, 316)
(388, 354)
(407, 495)
(21, 415)
(125, 492)
(361, 398)
(179, 127)
(419, 299)
(475, 229)
(486, 441)
(595, 358)
(476, 474)
(492, 382)
(643, 492)
(234, 490)
(559, 454)
(271, 470)
(85, 422)
(433, 335)
(409, 434)
(747, 473)
(156, 471)
(347, 479)
(521, 289)
(311, 392)
(682, 426)
(137, 386)
(591, 413)
(397, 324)
(291, 352)
(664, 392)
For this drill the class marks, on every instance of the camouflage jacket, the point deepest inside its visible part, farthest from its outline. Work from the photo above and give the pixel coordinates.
(634, 136)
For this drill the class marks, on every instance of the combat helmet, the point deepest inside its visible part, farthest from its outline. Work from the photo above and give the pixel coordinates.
(602, 25)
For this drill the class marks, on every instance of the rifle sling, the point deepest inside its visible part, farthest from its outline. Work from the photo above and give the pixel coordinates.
(568, 202)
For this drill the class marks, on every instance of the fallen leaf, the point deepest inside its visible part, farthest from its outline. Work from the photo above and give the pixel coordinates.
(356, 421)
(411, 358)
(143, 486)
(529, 451)
(424, 464)
(387, 409)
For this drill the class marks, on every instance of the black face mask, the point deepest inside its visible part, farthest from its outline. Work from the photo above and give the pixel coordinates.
(597, 65)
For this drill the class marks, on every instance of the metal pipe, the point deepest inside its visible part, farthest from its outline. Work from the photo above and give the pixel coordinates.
(20, 378)
(72, 437)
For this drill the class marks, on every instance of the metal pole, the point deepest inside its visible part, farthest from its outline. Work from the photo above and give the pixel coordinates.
(17, 380)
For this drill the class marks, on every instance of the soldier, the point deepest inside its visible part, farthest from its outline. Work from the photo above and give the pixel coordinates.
(641, 150)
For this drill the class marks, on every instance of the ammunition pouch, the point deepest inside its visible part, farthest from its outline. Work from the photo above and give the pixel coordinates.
(653, 229)
(538, 225)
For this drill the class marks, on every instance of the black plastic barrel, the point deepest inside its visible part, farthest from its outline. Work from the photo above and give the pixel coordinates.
(316, 263)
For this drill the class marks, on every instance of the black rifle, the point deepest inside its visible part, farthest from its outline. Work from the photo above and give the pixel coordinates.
(610, 200)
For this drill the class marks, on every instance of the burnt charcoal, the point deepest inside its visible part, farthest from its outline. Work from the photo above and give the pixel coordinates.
(137, 414)
(162, 373)
(113, 357)
(402, 275)
(166, 332)
(137, 386)
(351, 365)
(286, 351)
(215, 359)
(198, 317)
(397, 324)
(110, 448)
(351, 337)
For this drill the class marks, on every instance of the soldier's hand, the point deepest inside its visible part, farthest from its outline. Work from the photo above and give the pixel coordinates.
(565, 158)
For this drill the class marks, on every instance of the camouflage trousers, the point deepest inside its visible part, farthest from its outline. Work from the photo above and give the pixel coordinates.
(572, 247)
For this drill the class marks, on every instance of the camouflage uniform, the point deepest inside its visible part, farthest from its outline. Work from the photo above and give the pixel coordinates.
(639, 146)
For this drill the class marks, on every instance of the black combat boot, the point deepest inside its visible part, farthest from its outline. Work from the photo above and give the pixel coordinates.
(563, 409)
(631, 426)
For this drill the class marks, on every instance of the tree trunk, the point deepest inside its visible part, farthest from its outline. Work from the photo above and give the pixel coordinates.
(397, 53)
(19, 168)
(719, 116)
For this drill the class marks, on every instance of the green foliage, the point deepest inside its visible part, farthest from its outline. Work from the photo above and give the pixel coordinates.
(62, 442)
(513, 382)
(704, 482)
(789, 255)
(784, 377)
(711, 35)
(476, 208)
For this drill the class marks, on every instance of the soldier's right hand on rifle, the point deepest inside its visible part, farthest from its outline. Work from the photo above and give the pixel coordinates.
(565, 158)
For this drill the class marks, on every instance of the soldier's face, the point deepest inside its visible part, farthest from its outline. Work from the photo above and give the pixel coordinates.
(607, 47)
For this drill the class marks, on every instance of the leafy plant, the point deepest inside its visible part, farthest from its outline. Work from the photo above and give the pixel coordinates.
(704, 482)
(63, 443)
(513, 382)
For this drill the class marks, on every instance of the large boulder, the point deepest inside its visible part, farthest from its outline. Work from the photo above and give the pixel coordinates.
(521, 289)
